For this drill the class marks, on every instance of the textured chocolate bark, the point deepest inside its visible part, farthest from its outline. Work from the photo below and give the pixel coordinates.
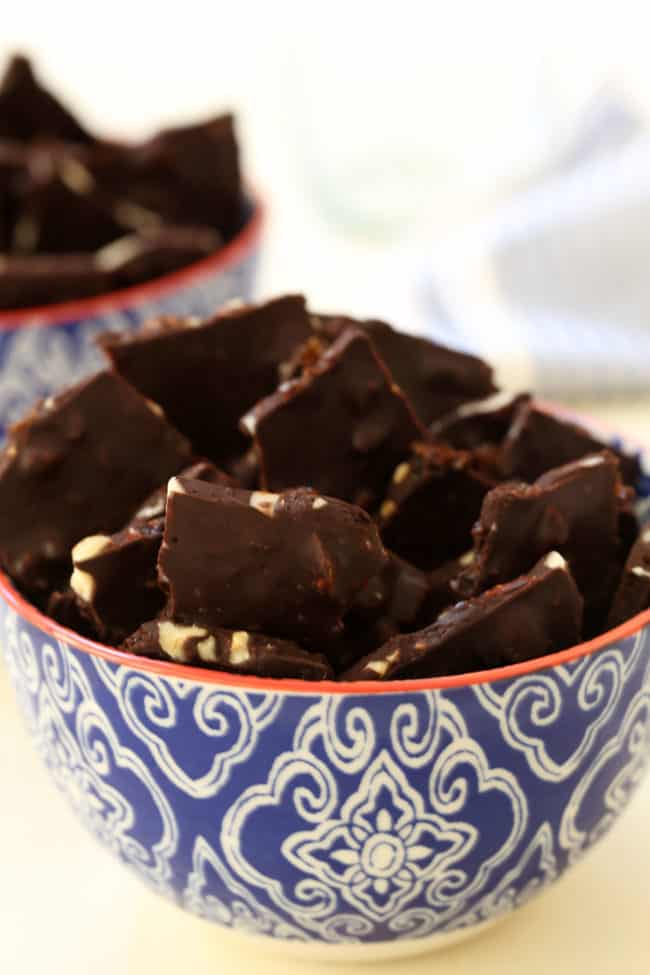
(633, 593)
(574, 508)
(288, 565)
(340, 428)
(28, 111)
(433, 500)
(534, 615)
(79, 464)
(237, 651)
(538, 441)
(433, 377)
(207, 374)
(479, 422)
(114, 579)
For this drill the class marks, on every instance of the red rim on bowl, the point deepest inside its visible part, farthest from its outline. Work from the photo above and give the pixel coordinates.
(202, 675)
(242, 243)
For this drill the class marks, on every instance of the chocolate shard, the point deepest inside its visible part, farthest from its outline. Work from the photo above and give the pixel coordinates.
(574, 508)
(340, 428)
(207, 374)
(27, 282)
(535, 615)
(434, 378)
(201, 470)
(479, 422)
(152, 253)
(391, 602)
(53, 218)
(79, 464)
(432, 502)
(237, 651)
(114, 579)
(539, 441)
(189, 174)
(633, 593)
(12, 160)
(29, 112)
(289, 565)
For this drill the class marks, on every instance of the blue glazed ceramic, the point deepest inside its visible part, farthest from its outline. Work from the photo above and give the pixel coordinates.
(339, 819)
(43, 349)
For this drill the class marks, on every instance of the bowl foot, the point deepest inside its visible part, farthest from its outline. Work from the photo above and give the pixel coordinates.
(318, 951)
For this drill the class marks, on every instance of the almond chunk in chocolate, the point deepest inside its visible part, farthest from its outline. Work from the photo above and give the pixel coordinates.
(287, 565)
(536, 614)
(237, 651)
(433, 500)
(341, 428)
(79, 464)
(207, 374)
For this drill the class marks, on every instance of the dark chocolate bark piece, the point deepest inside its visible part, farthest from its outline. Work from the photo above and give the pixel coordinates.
(539, 441)
(574, 508)
(434, 378)
(54, 218)
(146, 255)
(26, 282)
(207, 374)
(114, 579)
(237, 651)
(29, 112)
(479, 422)
(536, 614)
(432, 502)
(391, 602)
(12, 160)
(188, 174)
(289, 565)
(79, 464)
(340, 428)
(633, 593)
(201, 470)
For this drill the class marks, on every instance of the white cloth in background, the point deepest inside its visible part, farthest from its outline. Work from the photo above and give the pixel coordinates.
(555, 287)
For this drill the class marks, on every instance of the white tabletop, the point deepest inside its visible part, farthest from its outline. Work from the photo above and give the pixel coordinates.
(67, 908)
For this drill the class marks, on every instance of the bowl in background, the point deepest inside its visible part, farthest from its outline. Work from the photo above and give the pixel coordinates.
(339, 820)
(44, 349)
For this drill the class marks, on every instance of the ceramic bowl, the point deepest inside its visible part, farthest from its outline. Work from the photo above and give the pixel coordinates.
(43, 349)
(339, 820)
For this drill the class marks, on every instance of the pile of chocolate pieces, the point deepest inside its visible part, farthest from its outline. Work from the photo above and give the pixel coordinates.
(81, 215)
(283, 494)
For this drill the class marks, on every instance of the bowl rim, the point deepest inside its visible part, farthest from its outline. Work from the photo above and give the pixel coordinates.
(66, 312)
(203, 675)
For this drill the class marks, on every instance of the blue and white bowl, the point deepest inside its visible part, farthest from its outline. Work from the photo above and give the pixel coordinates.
(339, 820)
(43, 349)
